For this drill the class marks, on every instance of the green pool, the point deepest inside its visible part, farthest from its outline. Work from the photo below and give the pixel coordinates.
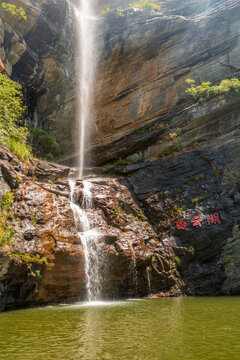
(161, 329)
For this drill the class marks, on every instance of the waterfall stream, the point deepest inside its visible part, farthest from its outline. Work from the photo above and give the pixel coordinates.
(89, 237)
(85, 66)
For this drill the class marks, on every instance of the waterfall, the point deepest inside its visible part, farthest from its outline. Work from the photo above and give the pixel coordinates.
(85, 69)
(89, 237)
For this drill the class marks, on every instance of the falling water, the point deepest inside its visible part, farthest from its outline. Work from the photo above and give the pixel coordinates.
(85, 66)
(89, 237)
(85, 71)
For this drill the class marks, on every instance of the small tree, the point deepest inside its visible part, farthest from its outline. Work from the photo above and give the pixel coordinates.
(12, 135)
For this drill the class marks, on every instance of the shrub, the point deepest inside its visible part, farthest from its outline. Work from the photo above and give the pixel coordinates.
(145, 4)
(44, 144)
(11, 112)
(7, 232)
(105, 11)
(191, 250)
(206, 89)
(177, 260)
(13, 10)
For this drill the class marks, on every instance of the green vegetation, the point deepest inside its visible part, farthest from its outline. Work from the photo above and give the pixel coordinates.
(18, 178)
(206, 89)
(145, 4)
(136, 218)
(7, 201)
(161, 125)
(153, 259)
(198, 199)
(217, 172)
(105, 146)
(175, 210)
(116, 212)
(123, 162)
(191, 250)
(13, 136)
(120, 162)
(175, 134)
(140, 4)
(30, 261)
(196, 178)
(45, 144)
(7, 232)
(177, 260)
(34, 219)
(13, 10)
(120, 12)
(61, 48)
(103, 12)
(172, 149)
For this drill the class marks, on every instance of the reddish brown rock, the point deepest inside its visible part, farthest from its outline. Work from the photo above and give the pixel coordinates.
(133, 262)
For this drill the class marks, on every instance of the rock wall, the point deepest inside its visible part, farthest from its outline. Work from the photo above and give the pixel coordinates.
(44, 261)
(180, 157)
(38, 53)
(147, 56)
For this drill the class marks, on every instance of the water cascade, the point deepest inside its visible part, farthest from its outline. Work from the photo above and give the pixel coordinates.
(89, 237)
(85, 65)
(85, 72)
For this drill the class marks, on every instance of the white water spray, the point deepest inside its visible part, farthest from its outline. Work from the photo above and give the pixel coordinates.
(85, 71)
(89, 237)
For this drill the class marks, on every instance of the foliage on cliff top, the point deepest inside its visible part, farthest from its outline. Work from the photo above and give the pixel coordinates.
(206, 89)
(13, 10)
(140, 4)
(145, 4)
(12, 135)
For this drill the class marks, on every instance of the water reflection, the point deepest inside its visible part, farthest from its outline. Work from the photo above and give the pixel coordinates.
(163, 329)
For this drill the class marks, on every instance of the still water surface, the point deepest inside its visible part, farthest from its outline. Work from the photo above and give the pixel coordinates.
(161, 329)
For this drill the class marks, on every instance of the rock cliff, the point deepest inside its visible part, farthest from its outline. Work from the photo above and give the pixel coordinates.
(37, 52)
(180, 157)
(43, 259)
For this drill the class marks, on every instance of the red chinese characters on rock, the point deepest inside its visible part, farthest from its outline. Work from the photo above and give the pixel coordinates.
(181, 224)
(211, 220)
(197, 221)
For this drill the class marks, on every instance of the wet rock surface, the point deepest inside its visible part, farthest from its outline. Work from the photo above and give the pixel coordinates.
(45, 261)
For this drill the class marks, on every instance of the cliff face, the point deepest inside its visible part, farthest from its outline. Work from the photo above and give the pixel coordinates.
(37, 52)
(164, 157)
(44, 261)
(147, 57)
(181, 158)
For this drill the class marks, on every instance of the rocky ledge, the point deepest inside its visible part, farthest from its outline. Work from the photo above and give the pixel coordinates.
(41, 255)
